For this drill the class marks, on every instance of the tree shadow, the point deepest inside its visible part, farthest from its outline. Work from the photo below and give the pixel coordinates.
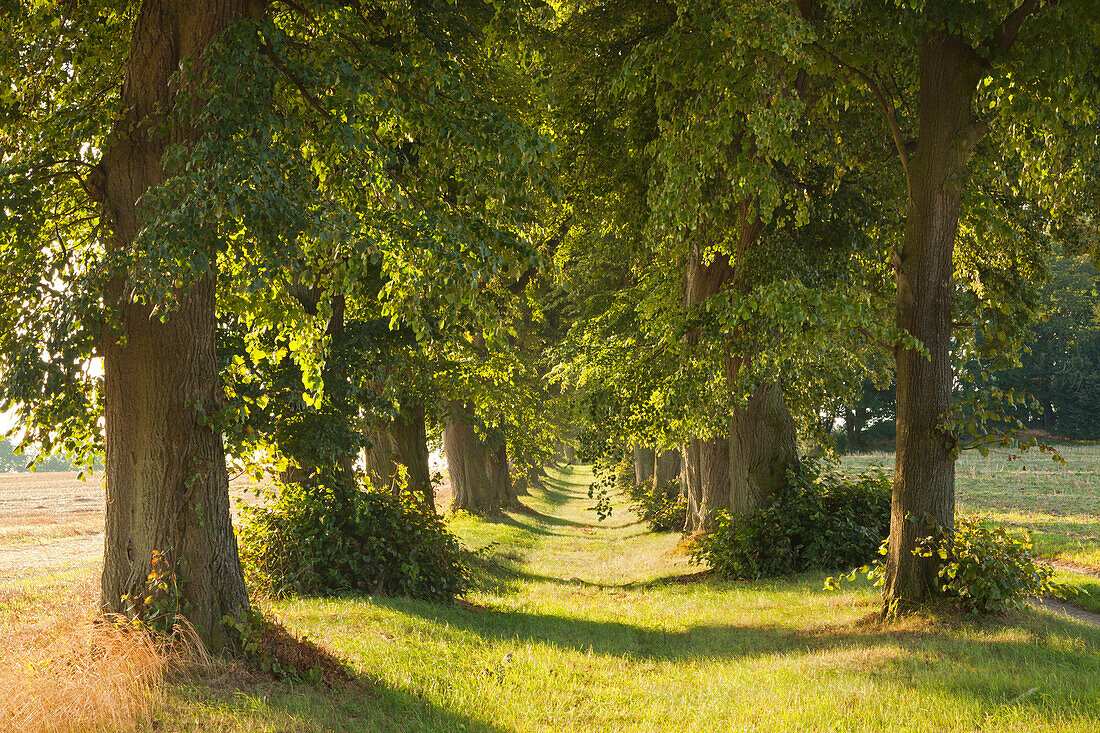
(1037, 649)
(369, 705)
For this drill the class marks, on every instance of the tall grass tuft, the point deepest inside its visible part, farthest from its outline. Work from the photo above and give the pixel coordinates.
(62, 669)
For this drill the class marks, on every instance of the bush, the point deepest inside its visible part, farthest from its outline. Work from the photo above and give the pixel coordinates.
(661, 507)
(822, 520)
(327, 540)
(986, 568)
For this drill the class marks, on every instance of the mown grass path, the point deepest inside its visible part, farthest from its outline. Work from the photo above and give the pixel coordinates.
(583, 626)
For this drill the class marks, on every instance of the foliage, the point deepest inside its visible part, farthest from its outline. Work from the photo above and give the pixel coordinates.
(607, 477)
(984, 568)
(661, 507)
(343, 538)
(1061, 366)
(822, 519)
(162, 606)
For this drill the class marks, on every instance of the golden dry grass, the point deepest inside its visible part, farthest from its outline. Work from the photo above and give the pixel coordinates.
(63, 670)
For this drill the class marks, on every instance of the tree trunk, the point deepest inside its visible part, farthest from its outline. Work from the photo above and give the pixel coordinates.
(403, 442)
(466, 463)
(498, 473)
(381, 458)
(708, 481)
(668, 467)
(521, 479)
(410, 437)
(763, 447)
(569, 452)
(644, 458)
(924, 476)
(167, 488)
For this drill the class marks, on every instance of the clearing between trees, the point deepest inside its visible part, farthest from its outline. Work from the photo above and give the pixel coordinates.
(580, 625)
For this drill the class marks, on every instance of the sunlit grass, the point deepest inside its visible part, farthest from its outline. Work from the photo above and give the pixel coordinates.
(583, 626)
(579, 625)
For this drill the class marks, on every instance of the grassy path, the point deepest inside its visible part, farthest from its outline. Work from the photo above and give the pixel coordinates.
(580, 628)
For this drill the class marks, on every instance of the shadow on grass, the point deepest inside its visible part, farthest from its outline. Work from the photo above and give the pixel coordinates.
(1056, 656)
(369, 705)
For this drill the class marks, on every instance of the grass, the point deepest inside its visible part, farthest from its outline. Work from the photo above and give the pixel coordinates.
(580, 625)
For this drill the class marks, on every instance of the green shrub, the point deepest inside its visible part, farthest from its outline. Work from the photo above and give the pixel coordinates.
(661, 507)
(327, 540)
(821, 519)
(986, 568)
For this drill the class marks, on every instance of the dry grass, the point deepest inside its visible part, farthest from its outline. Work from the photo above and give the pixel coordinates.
(63, 670)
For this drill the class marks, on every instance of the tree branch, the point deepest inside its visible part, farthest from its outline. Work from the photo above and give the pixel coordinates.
(884, 102)
(1002, 39)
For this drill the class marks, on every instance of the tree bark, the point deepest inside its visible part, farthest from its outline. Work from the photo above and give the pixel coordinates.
(166, 482)
(410, 436)
(497, 472)
(668, 467)
(924, 475)
(763, 447)
(381, 458)
(403, 442)
(644, 459)
(466, 462)
(708, 481)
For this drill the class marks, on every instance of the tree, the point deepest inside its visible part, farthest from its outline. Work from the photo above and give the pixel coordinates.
(1061, 365)
(953, 80)
(251, 150)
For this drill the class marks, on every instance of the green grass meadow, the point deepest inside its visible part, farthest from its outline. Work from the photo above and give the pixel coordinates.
(579, 625)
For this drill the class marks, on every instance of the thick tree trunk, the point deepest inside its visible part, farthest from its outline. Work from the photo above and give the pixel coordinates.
(403, 442)
(644, 460)
(466, 463)
(167, 488)
(498, 474)
(410, 436)
(924, 476)
(521, 479)
(667, 470)
(381, 458)
(569, 452)
(708, 481)
(763, 447)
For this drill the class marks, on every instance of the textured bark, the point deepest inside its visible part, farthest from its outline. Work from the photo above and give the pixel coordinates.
(410, 436)
(403, 442)
(763, 447)
(521, 479)
(668, 467)
(498, 474)
(466, 463)
(708, 481)
(381, 458)
(924, 476)
(167, 488)
(644, 458)
(706, 485)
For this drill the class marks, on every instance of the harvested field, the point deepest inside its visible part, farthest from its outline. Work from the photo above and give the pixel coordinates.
(52, 522)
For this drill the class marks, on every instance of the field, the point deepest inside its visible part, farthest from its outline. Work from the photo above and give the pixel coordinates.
(580, 625)
(1059, 505)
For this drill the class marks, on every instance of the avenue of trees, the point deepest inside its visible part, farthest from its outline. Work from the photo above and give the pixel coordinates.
(314, 239)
